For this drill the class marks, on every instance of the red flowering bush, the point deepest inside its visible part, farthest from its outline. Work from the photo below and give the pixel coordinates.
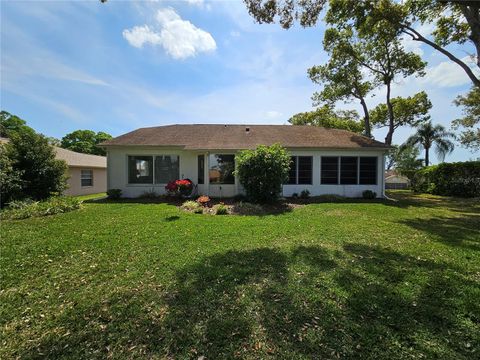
(179, 187)
(203, 200)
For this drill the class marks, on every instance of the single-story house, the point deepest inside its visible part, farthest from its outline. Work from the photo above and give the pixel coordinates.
(393, 180)
(324, 161)
(87, 174)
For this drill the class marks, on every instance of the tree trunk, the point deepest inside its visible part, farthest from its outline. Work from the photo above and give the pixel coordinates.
(391, 119)
(366, 118)
(427, 160)
(472, 15)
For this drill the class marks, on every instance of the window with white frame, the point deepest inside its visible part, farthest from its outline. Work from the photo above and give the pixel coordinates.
(166, 168)
(86, 177)
(140, 169)
(144, 169)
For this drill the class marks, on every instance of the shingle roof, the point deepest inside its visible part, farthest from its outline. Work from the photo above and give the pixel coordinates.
(211, 137)
(73, 158)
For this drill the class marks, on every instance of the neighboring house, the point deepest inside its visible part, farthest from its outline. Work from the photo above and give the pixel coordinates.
(393, 180)
(87, 173)
(324, 161)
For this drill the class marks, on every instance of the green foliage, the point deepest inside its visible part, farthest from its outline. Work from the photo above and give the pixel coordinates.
(85, 141)
(191, 205)
(450, 179)
(114, 193)
(33, 160)
(369, 194)
(470, 122)
(326, 117)
(10, 178)
(411, 111)
(12, 124)
(428, 135)
(263, 171)
(28, 208)
(304, 194)
(220, 209)
(404, 159)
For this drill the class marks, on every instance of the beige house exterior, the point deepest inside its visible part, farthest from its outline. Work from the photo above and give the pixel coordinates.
(87, 174)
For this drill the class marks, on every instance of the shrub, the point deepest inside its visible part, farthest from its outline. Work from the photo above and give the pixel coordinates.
(263, 171)
(203, 200)
(150, 194)
(449, 179)
(246, 208)
(31, 160)
(198, 210)
(29, 208)
(239, 197)
(191, 205)
(305, 194)
(182, 187)
(220, 209)
(369, 194)
(114, 193)
(295, 195)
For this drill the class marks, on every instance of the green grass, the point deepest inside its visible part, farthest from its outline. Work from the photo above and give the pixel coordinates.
(91, 196)
(393, 280)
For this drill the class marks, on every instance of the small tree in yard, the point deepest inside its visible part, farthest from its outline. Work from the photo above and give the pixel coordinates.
(32, 159)
(263, 171)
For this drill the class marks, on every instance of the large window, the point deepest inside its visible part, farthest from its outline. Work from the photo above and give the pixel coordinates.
(353, 170)
(86, 177)
(329, 170)
(166, 168)
(368, 170)
(300, 170)
(201, 169)
(348, 170)
(140, 169)
(221, 169)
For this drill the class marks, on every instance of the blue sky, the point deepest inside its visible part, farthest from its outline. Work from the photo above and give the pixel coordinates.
(115, 67)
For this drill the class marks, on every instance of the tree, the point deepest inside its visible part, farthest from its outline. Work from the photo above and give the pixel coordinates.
(263, 171)
(456, 22)
(85, 141)
(470, 136)
(12, 124)
(404, 159)
(411, 111)
(10, 178)
(341, 77)
(429, 135)
(41, 174)
(326, 117)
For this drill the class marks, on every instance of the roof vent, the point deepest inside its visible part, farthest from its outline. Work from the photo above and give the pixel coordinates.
(247, 129)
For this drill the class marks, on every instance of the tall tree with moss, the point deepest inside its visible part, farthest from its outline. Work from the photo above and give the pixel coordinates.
(469, 124)
(325, 116)
(341, 76)
(456, 22)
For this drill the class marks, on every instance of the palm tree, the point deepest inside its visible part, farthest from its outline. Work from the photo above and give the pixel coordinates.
(428, 135)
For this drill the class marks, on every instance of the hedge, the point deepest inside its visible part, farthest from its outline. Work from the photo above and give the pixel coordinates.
(449, 179)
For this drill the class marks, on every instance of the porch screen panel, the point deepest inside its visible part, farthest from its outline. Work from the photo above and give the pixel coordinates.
(348, 170)
(292, 174)
(368, 170)
(329, 170)
(221, 169)
(305, 168)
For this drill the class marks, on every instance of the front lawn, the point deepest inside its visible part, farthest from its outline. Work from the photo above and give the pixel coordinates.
(379, 280)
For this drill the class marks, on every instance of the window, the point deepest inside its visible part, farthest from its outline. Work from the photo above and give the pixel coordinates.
(368, 170)
(166, 168)
(140, 169)
(348, 170)
(329, 170)
(201, 169)
(221, 169)
(300, 170)
(86, 177)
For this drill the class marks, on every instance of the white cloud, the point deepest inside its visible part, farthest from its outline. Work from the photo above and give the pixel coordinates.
(180, 38)
(272, 114)
(448, 73)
